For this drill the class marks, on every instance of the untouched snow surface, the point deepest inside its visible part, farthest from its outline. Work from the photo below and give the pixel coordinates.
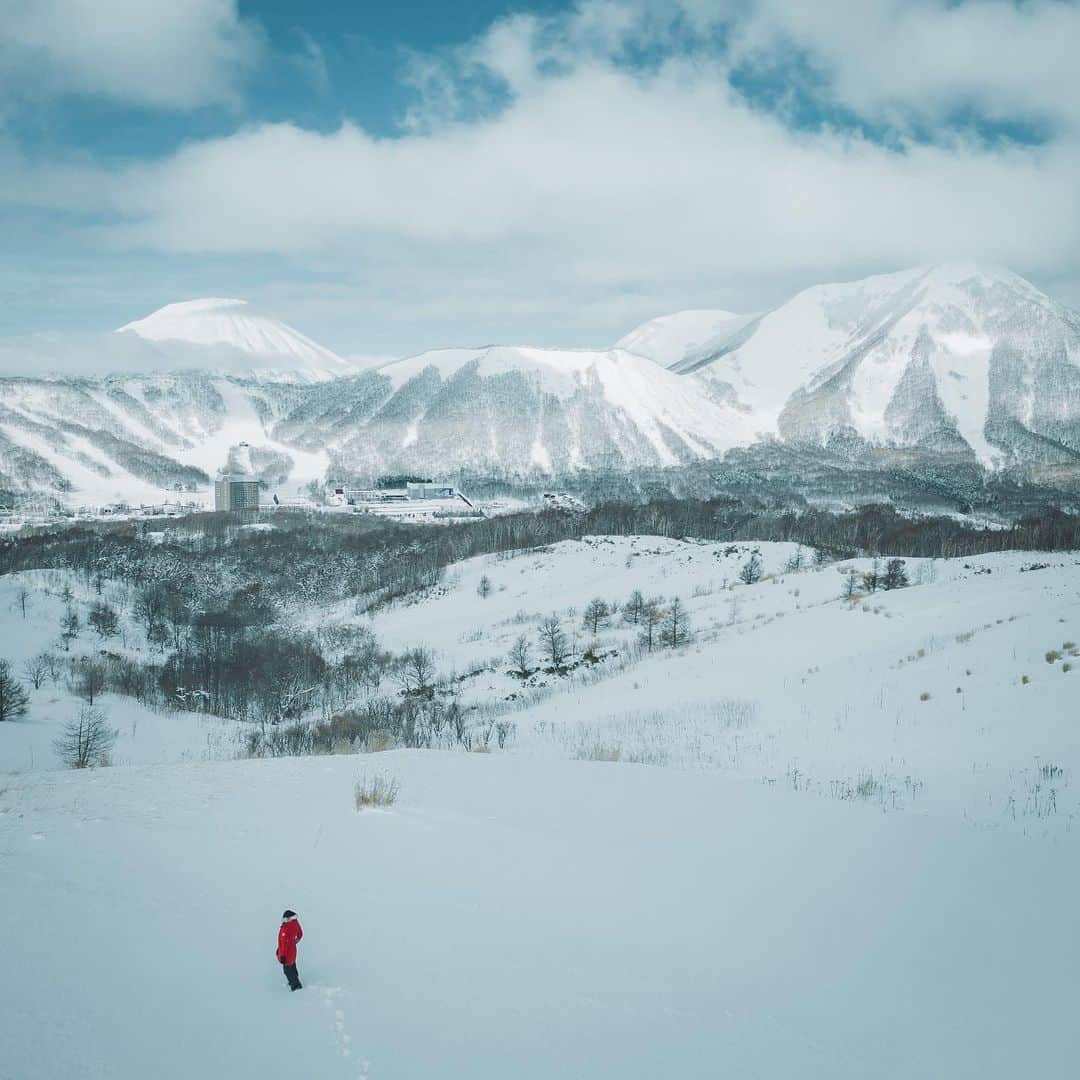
(512, 917)
(672, 338)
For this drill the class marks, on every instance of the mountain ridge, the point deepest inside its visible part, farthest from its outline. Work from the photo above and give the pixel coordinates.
(950, 362)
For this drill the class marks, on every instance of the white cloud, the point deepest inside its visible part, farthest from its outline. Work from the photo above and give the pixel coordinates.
(176, 54)
(927, 59)
(608, 176)
(599, 193)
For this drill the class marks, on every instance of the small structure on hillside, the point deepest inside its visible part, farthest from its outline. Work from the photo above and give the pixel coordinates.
(233, 492)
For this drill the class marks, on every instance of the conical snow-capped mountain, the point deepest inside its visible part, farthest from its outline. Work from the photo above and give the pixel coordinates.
(224, 326)
(685, 335)
(952, 358)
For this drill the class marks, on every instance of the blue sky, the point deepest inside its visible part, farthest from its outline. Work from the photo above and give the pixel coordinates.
(396, 177)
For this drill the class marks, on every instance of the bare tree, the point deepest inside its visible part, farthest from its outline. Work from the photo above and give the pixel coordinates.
(634, 607)
(36, 669)
(54, 664)
(177, 614)
(22, 597)
(851, 583)
(553, 643)
(90, 679)
(675, 629)
(596, 615)
(521, 657)
(14, 700)
(750, 571)
(416, 673)
(86, 740)
(484, 589)
(150, 606)
(652, 617)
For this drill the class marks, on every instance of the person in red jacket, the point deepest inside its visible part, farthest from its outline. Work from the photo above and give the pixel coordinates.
(288, 935)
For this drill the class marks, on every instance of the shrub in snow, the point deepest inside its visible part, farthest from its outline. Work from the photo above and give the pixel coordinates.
(85, 741)
(377, 789)
(600, 752)
(750, 572)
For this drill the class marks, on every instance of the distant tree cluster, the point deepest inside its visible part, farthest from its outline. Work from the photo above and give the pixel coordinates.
(892, 576)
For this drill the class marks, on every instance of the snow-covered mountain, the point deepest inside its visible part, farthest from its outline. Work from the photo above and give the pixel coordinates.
(686, 335)
(263, 343)
(954, 358)
(958, 362)
(538, 410)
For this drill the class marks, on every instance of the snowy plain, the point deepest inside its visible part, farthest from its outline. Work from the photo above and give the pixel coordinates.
(838, 841)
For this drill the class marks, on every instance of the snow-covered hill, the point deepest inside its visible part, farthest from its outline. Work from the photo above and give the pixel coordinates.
(954, 359)
(826, 839)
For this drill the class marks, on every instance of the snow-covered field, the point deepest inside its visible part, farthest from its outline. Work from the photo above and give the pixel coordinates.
(824, 838)
(518, 917)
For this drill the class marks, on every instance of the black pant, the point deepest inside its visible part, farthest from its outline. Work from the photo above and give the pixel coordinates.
(290, 974)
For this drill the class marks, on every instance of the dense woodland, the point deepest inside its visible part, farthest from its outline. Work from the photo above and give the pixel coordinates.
(314, 557)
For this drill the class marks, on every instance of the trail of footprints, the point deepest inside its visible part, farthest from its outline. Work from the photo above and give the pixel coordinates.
(344, 1039)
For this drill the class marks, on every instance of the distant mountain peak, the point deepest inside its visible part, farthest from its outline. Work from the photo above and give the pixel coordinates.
(235, 324)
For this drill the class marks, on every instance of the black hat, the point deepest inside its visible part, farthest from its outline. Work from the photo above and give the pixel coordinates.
(287, 914)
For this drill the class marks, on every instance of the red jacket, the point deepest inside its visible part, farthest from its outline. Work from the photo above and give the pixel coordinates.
(287, 937)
